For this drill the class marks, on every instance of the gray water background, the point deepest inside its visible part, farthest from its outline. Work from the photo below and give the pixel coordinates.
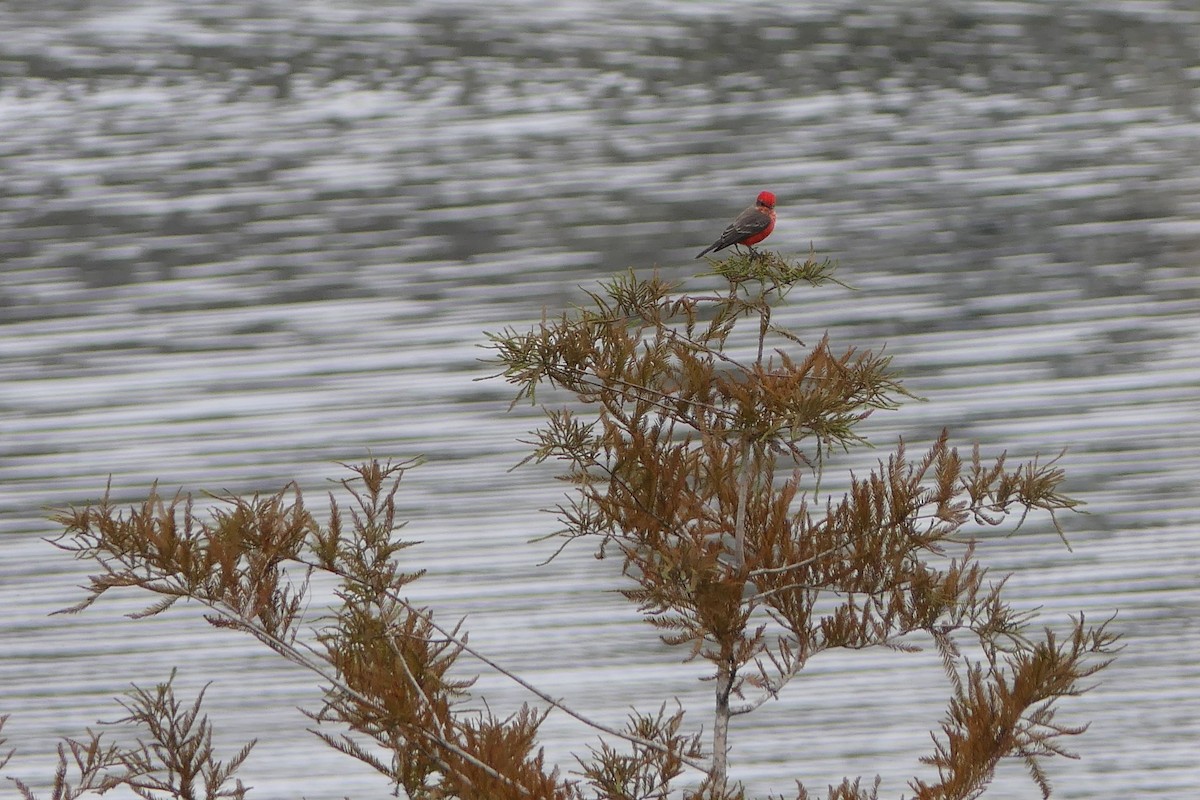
(243, 241)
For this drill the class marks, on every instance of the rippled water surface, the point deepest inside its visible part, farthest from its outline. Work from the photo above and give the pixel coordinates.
(244, 241)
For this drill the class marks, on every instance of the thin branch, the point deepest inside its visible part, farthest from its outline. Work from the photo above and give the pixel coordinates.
(466, 648)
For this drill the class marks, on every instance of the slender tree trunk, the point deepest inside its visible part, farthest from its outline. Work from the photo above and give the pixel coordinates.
(739, 523)
(720, 750)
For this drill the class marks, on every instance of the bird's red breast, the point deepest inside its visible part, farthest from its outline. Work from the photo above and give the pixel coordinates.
(759, 221)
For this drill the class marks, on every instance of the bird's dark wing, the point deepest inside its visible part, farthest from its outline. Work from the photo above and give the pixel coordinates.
(751, 221)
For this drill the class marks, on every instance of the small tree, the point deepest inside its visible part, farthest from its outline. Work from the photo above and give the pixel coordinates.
(689, 466)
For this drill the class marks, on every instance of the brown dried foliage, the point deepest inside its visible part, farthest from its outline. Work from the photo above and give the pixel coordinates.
(173, 758)
(690, 460)
(385, 664)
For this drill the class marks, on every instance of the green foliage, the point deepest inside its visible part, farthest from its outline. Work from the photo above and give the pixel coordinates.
(694, 446)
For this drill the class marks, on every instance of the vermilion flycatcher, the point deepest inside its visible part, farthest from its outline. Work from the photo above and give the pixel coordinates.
(751, 226)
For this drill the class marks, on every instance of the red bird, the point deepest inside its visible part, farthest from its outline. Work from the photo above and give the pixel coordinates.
(751, 226)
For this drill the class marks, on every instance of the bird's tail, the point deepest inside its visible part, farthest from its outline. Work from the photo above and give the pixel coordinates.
(706, 250)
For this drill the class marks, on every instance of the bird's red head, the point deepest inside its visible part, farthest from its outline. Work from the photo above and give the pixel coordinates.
(766, 199)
